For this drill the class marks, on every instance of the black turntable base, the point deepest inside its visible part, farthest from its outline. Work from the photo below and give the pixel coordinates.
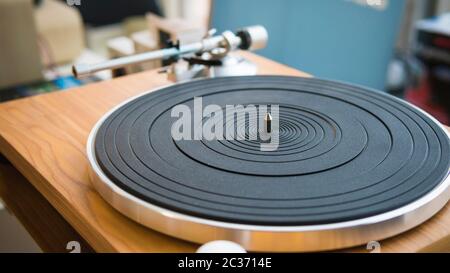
(353, 165)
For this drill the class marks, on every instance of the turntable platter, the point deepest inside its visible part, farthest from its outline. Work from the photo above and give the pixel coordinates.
(351, 165)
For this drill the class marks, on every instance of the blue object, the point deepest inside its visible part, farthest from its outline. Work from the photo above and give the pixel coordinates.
(67, 82)
(337, 39)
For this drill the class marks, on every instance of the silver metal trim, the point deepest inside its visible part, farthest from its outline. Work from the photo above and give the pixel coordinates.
(266, 238)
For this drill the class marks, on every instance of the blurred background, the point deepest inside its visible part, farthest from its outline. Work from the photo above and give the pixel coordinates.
(401, 47)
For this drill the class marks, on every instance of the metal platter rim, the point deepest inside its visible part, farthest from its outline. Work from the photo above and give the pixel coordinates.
(200, 230)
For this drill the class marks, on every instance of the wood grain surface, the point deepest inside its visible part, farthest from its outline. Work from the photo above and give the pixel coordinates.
(45, 225)
(45, 137)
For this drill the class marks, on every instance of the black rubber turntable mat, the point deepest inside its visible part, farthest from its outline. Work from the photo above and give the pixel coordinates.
(345, 153)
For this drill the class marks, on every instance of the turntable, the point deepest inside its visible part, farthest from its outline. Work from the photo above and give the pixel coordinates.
(353, 165)
(350, 165)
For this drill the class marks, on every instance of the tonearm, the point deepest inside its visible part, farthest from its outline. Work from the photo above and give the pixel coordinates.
(207, 58)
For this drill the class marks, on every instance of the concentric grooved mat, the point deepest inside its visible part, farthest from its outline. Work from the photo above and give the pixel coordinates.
(345, 153)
